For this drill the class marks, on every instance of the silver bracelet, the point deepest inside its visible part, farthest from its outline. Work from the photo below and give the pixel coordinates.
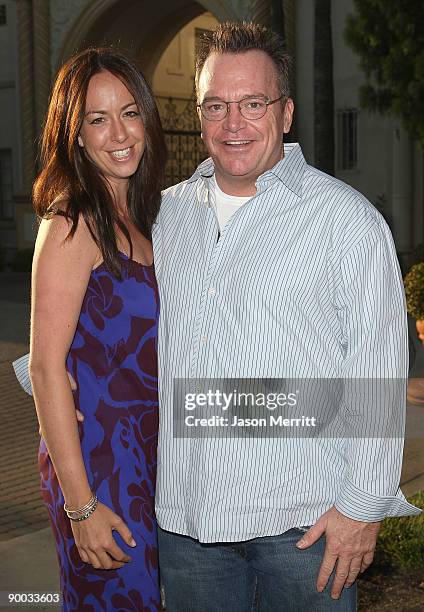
(86, 515)
(89, 507)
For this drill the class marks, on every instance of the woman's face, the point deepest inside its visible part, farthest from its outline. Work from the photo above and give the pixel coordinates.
(112, 132)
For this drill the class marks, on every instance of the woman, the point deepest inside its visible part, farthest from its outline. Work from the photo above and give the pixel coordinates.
(95, 313)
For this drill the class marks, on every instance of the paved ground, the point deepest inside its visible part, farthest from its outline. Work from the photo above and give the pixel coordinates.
(26, 545)
(21, 510)
(29, 565)
(28, 558)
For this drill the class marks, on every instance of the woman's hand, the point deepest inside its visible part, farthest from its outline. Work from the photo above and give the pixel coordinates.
(95, 542)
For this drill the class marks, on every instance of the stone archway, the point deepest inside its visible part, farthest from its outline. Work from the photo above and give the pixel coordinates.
(141, 29)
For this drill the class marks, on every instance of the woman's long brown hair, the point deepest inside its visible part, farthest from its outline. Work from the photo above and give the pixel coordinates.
(68, 174)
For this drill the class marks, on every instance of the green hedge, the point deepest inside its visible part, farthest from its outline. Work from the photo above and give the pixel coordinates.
(401, 540)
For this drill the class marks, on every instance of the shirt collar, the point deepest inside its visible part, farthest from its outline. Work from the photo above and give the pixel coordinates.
(288, 170)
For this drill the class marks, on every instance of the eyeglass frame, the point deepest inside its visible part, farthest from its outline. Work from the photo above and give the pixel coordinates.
(267, 101)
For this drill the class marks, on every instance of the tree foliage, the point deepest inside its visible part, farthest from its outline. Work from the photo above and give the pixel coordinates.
(414, 291)
(388, 36)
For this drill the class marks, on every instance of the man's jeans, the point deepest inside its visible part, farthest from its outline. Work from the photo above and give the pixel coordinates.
(266, 574)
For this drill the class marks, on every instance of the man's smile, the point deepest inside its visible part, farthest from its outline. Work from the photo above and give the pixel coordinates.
(237, 142)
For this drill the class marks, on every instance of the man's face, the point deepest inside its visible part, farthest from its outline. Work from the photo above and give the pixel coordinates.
(242, 149)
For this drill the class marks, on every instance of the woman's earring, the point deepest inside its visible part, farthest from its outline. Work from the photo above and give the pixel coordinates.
(80, 142)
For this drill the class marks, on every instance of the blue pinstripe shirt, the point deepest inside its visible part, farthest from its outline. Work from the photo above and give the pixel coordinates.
(302, 282)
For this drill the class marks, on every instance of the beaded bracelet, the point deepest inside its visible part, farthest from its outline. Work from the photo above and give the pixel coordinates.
(86, 515)
(85, 511)
(87, 505)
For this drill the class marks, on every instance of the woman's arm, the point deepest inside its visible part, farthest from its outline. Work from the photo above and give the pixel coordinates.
(61, 272)
(60, 275)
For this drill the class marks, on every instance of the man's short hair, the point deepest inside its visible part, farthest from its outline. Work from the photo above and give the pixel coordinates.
(239, 37)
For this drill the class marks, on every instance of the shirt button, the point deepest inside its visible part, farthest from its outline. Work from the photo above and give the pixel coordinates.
(212, 291)
(204, 339)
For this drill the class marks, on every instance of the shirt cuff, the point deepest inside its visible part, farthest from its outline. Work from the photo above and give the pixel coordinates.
(21, 367)
(360, 505)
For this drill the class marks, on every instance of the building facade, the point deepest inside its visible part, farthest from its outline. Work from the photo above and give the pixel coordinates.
(373, 153)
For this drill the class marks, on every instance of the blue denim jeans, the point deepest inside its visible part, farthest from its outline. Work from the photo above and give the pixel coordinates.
(266, 574)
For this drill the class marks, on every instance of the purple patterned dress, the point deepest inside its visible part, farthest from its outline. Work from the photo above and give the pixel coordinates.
(113, 361)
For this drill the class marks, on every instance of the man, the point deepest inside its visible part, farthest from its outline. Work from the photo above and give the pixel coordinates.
(270, 268)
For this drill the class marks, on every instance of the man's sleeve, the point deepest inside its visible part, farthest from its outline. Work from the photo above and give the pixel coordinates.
(21, 367)
(371, 309)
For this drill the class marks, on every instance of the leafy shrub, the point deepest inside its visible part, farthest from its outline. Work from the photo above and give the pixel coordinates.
(401, 540)
(414, 290)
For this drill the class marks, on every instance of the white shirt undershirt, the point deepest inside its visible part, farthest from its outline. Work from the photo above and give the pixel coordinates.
(226, 205)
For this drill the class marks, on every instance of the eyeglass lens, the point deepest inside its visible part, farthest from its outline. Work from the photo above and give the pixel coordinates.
(250, 108)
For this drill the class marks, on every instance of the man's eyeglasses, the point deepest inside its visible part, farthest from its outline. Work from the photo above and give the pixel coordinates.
(252, 107)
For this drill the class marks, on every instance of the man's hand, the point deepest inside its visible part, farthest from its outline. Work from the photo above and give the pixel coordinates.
(80, 416)
(349, 543)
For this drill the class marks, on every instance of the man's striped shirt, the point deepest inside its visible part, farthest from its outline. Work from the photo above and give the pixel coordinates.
(303, 282)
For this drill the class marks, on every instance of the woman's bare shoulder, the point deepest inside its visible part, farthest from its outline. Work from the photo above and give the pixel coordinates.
(55, 233)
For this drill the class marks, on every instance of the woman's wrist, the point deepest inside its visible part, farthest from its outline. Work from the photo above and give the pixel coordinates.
(82, 512)
(77, 498)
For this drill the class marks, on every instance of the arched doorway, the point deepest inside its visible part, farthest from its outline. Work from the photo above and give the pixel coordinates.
(141, 29)
(173, 85)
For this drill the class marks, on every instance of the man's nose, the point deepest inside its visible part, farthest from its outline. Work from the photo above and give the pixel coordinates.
(233, 120)
(119, 131)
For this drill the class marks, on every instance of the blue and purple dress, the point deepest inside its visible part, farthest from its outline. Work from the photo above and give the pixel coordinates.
(113, 360)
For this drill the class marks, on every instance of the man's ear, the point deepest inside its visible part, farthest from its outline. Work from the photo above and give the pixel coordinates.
(288, 115)
(199, 114)
(80, 142)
